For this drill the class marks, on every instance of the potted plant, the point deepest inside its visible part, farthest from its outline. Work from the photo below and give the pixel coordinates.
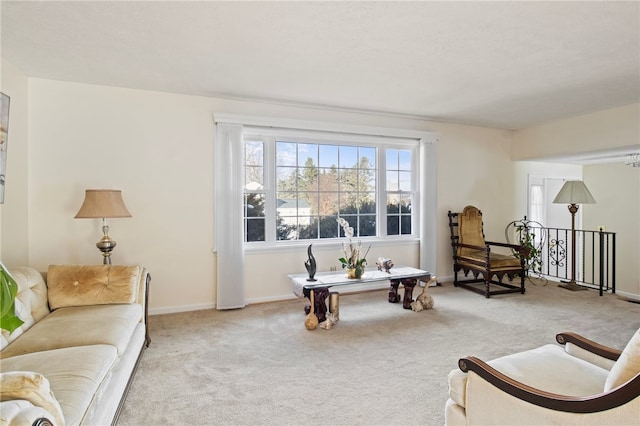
(8, 290)
(352, 261)
(531, 252)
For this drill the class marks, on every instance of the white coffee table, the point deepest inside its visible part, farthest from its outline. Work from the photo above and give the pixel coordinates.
(405, 275)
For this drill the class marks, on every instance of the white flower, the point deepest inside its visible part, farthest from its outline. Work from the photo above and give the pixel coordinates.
(351, 253)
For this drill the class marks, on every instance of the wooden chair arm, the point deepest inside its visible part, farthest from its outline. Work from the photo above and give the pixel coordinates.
(588, 345)
(481, 248)
(572, 404)
(516, 247)
(488, 244)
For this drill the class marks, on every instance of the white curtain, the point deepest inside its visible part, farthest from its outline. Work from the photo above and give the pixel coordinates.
(229, 223)
(428, 202)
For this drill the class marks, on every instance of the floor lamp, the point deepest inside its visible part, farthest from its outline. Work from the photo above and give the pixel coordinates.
(103, 204)
(573, 192)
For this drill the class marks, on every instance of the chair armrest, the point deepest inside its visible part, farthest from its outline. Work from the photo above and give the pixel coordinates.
(516, 247)
(588, 345)
(573, 404)
(482, 248)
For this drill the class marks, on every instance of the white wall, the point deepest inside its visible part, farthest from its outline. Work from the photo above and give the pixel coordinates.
(610, 129)
(616, 189)
(474, 168)
(158, 149)
(614, 186)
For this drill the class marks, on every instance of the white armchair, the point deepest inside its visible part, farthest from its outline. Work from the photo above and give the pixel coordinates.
(581, 383)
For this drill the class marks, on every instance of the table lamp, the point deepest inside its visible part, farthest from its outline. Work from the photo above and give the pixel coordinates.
(103, 204)
(573, 192)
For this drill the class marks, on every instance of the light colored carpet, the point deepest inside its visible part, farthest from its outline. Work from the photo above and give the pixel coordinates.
(380, 364)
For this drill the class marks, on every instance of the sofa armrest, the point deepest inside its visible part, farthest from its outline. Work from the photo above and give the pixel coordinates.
(143, 299)
(588, 345)
(583, 404)
(22, 412)
(29, 390)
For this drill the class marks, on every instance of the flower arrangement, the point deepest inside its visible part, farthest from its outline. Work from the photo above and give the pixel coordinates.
(351, 259)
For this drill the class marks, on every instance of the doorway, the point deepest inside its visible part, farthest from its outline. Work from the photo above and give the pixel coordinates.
(556, 251)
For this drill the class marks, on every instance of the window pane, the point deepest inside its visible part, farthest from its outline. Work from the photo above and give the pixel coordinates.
(405, 203)
(392, 159)
(308, 228)
(253, 166)
(393, 225)
(367, 158)
(405, 225)
(404, 157)
(255, 230)
(307, 155)
(328, 156)
(254, 205)
(404, 181)
(254, 178)
(365, 180)
(254, 153)
(393, 204)
(329, 227)
(348, 180)
(348, 157)
(308, 180)
(305, 202)
(393, 181)
(286, 154)
(287, 177)
(367, 226)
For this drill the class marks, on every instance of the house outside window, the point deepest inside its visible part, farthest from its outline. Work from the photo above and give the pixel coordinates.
(298, 183)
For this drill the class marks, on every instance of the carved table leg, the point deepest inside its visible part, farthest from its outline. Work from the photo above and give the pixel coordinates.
(319, 306)
(409, 284)
(394, 297)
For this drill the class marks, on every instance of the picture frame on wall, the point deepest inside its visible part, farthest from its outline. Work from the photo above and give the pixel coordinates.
(4, 140)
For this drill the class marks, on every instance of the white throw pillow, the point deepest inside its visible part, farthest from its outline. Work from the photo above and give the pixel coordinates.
(627, 366)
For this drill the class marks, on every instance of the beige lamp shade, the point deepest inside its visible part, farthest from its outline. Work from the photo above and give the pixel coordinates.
(574, 192)
(101, 203)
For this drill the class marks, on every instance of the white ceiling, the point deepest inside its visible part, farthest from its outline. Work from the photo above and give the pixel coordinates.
(509, 65)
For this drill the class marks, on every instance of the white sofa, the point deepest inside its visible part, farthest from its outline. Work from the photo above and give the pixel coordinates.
(582, 383)
(73, 359)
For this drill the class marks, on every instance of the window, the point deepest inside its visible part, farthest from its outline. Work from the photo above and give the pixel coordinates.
(296, 184)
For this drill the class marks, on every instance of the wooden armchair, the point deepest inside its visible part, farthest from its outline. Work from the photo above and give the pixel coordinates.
(584, 383)
(472, 254)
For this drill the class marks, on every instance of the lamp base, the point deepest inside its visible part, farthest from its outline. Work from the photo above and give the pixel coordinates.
(106, 246)
(571, 285)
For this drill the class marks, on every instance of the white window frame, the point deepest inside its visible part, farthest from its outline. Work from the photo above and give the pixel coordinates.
(270, 137)
(426, 189)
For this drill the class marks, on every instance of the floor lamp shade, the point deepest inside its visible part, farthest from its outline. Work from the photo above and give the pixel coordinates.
(573, 192)
(103, 204)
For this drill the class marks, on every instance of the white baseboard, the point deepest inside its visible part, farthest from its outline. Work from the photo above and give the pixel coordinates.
(355, 288)
(183, 308)
(630, 296)
(445, 279)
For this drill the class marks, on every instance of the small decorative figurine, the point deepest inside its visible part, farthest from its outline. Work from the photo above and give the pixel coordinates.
(310, 264)
(311, 322)
(385, 264)
(424, 301)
